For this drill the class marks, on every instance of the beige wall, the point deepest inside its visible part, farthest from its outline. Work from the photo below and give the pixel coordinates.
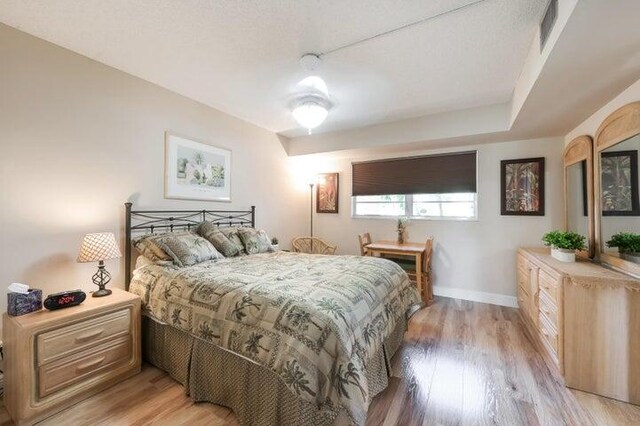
(591, 124)
(474, 260)
(79, 139)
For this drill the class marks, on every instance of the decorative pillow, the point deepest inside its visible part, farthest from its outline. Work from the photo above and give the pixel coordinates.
(148, 247)
(212, 233)
(188, 249)
(255, 241)
(232, 234)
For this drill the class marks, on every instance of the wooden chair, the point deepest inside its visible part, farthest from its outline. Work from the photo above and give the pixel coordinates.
(426, 270)
(312, 245)
(364, 239)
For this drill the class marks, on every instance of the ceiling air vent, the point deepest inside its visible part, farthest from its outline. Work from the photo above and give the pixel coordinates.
(547, 23)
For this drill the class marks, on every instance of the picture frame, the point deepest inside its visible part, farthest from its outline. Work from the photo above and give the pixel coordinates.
(619, 198)
(327, 192)
(522, 187)
(195, 170)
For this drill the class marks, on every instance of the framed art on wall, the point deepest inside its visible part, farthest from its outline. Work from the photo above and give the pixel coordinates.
(327, 193)
(619, 174)
(522, 187)
(195, 170)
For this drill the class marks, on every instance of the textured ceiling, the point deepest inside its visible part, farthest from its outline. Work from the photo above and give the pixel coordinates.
(242, 56)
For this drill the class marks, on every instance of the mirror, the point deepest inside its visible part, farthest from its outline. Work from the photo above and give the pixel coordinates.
(578, 196)
(620, 203)
(618, 198)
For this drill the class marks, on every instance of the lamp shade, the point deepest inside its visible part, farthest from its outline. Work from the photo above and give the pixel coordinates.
(100, 246)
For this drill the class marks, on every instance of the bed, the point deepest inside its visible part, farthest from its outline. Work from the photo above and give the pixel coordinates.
(280, 338)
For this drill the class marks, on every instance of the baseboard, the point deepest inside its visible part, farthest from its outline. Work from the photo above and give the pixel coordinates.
(476, 296)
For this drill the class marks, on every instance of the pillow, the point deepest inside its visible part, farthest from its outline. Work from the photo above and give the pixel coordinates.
(188, 249)
(255, 241)
(213, 234)
(148, 247)
(232, 234)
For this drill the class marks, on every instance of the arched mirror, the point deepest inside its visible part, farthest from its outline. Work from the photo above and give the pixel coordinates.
(617, 146)
(578, 191)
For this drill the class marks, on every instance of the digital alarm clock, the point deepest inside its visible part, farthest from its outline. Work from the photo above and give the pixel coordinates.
(64, 299)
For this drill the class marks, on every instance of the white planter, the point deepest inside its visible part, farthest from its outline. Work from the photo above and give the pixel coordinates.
(631, 257)
(563, 255)
(276, 247)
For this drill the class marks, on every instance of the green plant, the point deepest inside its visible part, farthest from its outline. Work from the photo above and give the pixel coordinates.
(627, 242)
(274, 241)
(564, 240)
(402, 223)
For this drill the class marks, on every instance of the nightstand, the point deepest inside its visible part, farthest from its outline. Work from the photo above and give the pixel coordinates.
(53, 359)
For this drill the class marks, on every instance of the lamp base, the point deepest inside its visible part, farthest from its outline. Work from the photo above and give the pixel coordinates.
(101, 279)
(102, 292)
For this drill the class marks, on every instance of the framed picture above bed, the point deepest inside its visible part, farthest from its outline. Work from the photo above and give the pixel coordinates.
(327, 193)
(196, 171)
(522, 187)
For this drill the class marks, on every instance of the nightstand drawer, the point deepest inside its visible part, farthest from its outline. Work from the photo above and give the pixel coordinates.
(69, 370)
(67, 340)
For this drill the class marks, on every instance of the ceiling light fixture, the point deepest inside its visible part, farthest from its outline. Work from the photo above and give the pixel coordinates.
(310, 113)
(311, 106)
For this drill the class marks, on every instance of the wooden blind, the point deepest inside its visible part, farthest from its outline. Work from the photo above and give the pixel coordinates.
(433, 174)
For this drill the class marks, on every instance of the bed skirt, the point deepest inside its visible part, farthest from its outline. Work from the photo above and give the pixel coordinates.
(257, 396)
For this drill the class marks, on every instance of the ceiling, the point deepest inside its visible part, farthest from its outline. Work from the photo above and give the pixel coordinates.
(242, 56)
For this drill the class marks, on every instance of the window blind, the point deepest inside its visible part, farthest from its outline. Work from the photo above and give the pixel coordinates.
(433, 174)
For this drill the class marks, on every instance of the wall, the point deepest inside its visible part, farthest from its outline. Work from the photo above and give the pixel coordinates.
(79, 139)
(591, 124)
(472, 260)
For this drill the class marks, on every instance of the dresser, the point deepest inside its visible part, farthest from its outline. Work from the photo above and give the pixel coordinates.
(585, 321)
(53, 359)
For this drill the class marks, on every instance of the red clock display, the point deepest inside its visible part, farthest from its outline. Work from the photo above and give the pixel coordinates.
(64, 299)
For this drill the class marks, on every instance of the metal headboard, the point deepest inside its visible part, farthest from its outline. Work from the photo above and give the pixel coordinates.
(150, 221)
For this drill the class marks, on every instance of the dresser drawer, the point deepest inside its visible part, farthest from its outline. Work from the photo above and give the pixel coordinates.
(548, 309)
(523, 301)
(523, 264)
(72, 369)
(549, 337)
(549, 285)
(524, 280)
(81, 335)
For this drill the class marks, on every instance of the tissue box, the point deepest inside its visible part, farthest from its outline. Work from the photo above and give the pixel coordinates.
(20, 304)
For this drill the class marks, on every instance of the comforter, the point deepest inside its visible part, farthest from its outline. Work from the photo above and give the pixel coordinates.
(314, 320)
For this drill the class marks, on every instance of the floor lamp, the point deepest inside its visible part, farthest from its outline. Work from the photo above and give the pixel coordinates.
(311, 212)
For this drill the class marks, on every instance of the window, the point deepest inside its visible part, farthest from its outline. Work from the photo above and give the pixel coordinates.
(456, 206)
(441, 186)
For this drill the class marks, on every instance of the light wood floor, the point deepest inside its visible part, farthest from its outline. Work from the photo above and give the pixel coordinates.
(462, 363)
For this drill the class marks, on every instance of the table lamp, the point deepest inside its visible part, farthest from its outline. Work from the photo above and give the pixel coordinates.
(98, 248)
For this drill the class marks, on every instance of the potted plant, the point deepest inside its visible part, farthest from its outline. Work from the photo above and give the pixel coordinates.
(402, 226)
(564, 244)
(275, 244)
(628, 244)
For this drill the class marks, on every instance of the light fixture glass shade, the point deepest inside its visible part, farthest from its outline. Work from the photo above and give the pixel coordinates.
(96, 247)
(310, 114)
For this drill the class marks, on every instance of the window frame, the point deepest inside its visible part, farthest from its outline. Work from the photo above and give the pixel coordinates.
(408, 209)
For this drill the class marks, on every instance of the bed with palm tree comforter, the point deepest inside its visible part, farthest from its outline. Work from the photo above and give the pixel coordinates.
(313, 320)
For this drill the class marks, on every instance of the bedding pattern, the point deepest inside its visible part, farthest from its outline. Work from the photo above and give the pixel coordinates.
(314, 320)
(255, 240)
(213, 234)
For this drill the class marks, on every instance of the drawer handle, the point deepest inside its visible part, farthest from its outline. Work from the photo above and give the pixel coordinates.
(89, 365)
(88, 336)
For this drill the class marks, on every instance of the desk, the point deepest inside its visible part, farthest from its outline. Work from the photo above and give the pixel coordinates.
(415, 250)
